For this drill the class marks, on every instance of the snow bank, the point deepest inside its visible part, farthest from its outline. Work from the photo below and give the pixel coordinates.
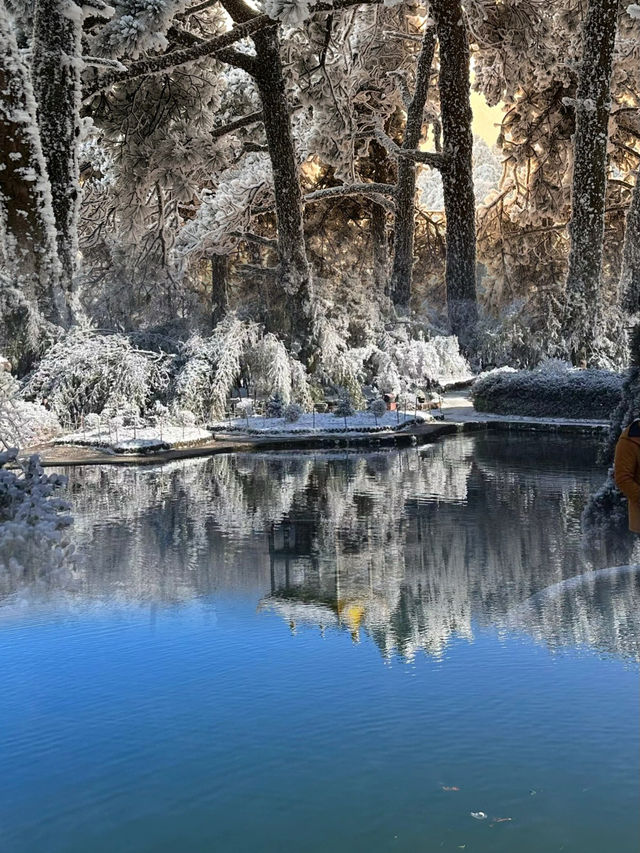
(146, 439)
(555, 389)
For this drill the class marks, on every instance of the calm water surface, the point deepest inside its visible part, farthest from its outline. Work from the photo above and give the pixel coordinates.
(302, 652)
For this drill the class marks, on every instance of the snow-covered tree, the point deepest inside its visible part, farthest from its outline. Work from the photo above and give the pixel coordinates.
(592, 106)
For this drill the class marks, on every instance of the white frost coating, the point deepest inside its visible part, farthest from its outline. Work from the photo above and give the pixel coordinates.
(292, 13)
(138, 26)
(225, 214)
(18, 113)
(634, 11)
(33, 518)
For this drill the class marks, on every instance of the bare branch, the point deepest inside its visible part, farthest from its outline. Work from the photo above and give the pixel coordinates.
(351, 189)
(377, 192)
(431, 158)
(193, 10)
(239, 123)
(256, 238)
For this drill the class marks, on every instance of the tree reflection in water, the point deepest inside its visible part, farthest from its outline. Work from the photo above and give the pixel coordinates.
(410, 547)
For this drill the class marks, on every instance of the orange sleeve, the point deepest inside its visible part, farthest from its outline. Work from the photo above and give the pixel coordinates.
(624, 469)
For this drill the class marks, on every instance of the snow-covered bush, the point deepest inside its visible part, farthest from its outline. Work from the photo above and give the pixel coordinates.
(33, 517)
(238, 349)
(183, 417)
(275, 406)
(269, 367)
(292, 413)
(245, 408)
(89, 372)
(344, 407)
(213, 366)
(552, 390)
(527, 333)
(22, 423)
(417, 363)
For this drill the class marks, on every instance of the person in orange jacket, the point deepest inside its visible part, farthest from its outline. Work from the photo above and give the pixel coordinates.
(626, 471)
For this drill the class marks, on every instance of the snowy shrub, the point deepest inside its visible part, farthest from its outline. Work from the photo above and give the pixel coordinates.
(339, 365)
(22, 423)
(275, 406)
(378, 408)
(526, 334)
(292, 413)
(270, 368)
(92, 421)
(89, 372)
(418, 363)
(32, 518)
(553, 390)
(183, 417)
(245, 407)
(344, 407)
(238, 349)
(213, 366)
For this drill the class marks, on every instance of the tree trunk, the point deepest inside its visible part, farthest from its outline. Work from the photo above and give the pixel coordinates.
(56, 52)
(378, 231)
(404, 228)
(630, 276)
(294, 270)
(380, 173)
(31, 270)
(219, 289)
(586, 229)
(457, 173)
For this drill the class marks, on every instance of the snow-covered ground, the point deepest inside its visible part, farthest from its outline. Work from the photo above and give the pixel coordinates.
(142, 439)
(309, 423)
(152, 438)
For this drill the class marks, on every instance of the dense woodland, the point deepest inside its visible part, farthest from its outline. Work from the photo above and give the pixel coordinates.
(300, 185)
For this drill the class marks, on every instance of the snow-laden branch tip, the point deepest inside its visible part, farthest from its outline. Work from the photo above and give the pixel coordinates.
(431, 158)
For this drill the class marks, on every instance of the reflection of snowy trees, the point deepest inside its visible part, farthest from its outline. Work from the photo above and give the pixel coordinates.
(410, 547)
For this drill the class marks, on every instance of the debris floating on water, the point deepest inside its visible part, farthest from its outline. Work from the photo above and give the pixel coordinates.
(449, 788)
(479, 815)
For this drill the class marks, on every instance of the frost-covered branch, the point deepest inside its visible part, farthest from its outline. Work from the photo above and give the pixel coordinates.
(208, 47)
(373, 189)
(430, 158)
(176, 58)
(238, 124)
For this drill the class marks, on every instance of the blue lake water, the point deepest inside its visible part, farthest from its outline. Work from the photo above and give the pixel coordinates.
(303, 652)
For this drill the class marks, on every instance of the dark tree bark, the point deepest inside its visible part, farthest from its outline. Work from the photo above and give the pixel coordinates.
(378, 219)
(30, 280)
(55, 73)
(404, 228)
(630, 276)
(457, 171)
(293, 266)
(219, 289)
(378, 231)
(586, 228)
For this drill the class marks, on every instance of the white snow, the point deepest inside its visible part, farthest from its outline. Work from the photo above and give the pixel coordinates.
(128, 440)
(320, 423)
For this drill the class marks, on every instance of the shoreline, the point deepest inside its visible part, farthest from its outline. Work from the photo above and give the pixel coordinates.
(55, 456)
